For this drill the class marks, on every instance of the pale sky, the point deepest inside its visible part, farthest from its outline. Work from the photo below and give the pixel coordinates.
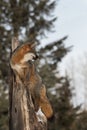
(72, 21)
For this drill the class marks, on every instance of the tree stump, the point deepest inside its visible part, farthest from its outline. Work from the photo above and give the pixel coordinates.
(22, 115)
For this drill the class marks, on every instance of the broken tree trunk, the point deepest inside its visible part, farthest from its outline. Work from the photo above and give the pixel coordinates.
(22, 115)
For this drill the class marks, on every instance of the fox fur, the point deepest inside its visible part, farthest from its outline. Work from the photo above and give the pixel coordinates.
(20, 61)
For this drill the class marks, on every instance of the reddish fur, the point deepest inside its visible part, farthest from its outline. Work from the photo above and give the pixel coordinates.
(38, 90)
(18, 56)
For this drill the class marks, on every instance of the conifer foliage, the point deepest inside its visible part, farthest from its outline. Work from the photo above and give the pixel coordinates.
(65, 112)
(29, 20)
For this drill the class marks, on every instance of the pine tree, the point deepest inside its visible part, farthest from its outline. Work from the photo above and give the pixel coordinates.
(59, 92)
(65, 112)
(52, 54)
(24, 18)
(30, 19)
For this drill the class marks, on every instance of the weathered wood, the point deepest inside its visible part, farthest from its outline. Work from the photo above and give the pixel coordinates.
(21, 111)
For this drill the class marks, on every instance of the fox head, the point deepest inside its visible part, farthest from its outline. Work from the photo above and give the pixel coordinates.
(24, 53)
(28, 52)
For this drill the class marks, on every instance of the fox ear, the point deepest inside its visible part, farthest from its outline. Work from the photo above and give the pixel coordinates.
(15, 43)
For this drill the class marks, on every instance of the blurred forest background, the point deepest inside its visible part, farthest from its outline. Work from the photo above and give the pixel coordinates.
(32, 20)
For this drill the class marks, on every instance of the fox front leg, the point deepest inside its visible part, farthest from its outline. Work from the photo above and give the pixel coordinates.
(44, 103)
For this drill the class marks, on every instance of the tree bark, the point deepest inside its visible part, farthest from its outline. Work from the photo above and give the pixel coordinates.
(22, 115)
